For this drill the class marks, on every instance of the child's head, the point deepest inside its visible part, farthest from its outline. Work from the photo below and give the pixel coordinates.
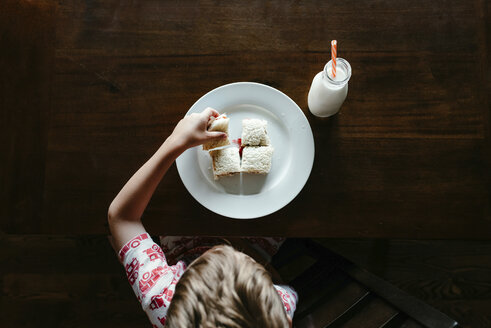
(226, 288)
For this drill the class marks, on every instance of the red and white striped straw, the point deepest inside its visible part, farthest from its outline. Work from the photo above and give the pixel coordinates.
(334, 54)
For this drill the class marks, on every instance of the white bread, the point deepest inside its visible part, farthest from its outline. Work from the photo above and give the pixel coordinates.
(256, 159)
(254, 132)
(219, 124)
(226, 161)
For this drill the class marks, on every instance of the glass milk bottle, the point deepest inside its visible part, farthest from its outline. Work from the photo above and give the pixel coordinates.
(328, 93)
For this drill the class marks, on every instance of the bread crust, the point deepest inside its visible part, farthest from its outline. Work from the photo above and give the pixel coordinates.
(226, 162)
(257, 160)
(254, 132)
(219, 124)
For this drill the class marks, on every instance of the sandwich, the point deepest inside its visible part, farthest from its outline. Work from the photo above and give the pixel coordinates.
(256, 159)
(254, 132)
(226, 161)
(219, 124)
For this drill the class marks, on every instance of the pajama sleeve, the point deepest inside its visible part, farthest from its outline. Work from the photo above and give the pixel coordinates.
(151, 278)
(289, 297)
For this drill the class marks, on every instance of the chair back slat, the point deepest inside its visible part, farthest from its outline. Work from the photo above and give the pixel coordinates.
(334, 292)
(374, 313)
(395, 321)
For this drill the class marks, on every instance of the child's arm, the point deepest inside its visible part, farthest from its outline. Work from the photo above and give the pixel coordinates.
(125, 211)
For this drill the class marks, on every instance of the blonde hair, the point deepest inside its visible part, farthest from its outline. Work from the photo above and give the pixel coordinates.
(226, 288)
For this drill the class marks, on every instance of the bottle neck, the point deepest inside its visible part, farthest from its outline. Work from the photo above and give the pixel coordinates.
(343, 73)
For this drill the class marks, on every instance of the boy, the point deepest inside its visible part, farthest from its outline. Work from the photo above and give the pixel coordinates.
(222, 288)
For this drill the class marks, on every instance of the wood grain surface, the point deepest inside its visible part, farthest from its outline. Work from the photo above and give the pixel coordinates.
(59, 281)
(90, 89)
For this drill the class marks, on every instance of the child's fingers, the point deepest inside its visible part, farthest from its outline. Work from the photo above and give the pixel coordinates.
(215, 135)
(209, 112)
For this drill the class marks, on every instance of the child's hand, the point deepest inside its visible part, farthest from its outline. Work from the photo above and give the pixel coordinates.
(191, 130)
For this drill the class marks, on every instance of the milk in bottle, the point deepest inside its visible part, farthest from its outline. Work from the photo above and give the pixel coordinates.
(328, 93)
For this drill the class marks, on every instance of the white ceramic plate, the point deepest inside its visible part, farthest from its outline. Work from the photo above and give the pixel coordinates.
(247, 196)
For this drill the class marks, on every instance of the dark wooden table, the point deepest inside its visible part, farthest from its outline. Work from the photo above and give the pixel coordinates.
(90, 89)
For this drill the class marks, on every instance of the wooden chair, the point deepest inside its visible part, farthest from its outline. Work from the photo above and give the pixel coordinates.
(333, 292)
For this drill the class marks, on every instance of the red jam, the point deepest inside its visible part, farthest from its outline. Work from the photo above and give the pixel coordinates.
(238, 142)
(240, 146)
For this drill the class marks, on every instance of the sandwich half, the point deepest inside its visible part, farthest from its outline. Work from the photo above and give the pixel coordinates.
(226, 161)
(219, 124)
(254, 132)
(257, 159)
